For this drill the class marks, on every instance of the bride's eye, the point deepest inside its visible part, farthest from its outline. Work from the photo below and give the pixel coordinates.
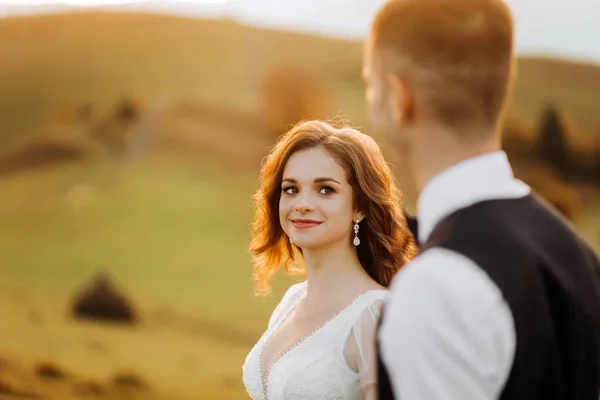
(289, 190)
(326, 190)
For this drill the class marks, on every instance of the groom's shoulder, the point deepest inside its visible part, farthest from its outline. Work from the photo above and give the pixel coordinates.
(445, 275)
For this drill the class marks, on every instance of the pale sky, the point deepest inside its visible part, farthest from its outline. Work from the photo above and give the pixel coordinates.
(555, 27)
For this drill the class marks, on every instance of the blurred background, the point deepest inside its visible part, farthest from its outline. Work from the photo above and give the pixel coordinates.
(131, 134)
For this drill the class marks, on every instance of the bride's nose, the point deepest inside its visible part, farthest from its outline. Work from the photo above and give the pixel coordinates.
(303, 209)
(303, 205)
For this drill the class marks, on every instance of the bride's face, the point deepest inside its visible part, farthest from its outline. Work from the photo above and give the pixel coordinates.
(316, 205)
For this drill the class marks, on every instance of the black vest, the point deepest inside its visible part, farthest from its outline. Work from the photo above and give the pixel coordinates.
(550, 279)
(413, 226)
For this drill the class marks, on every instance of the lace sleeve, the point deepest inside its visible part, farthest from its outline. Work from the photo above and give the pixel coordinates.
(359, 351)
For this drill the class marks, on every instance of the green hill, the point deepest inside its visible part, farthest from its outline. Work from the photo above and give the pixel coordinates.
(52, 62)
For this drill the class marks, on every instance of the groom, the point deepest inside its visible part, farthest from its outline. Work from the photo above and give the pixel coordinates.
(504, 299)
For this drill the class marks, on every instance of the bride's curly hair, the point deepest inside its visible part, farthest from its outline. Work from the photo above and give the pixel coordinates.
(386, 242)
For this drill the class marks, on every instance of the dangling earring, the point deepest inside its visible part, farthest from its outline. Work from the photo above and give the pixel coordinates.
(356, 240)
(291, 242)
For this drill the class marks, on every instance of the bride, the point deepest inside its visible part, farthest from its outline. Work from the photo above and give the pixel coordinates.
(327, 202)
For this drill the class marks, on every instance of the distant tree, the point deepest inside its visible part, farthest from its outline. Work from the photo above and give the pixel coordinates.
(291, 94)
(552, 146)
(517, 137)
(127, 111)
(115, 131)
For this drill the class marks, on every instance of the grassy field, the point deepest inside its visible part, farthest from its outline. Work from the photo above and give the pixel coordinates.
(172, 227)
(173, 232)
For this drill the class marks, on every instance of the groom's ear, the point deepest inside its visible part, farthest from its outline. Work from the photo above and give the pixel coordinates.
(403, 98)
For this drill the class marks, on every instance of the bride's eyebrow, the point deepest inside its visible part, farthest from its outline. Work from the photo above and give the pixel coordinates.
(326, 179)
(317, 180)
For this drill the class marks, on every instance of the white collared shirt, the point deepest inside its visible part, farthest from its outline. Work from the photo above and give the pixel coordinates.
(448, 332)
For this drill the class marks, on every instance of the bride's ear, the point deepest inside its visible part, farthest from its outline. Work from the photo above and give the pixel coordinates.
(358, 216)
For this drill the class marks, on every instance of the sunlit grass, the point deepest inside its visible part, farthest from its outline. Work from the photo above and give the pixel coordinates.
(173, 233)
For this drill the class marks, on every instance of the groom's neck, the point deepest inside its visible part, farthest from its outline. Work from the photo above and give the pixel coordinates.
(436, 150)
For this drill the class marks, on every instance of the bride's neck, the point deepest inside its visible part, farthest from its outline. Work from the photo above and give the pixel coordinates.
(328, 271)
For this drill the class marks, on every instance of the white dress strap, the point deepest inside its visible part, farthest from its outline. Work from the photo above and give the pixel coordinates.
(287, 303)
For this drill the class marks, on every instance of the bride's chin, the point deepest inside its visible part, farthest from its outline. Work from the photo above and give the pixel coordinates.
(304, 244)
(309, 245)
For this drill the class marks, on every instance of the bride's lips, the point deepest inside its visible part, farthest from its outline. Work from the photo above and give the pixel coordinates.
(305, 223)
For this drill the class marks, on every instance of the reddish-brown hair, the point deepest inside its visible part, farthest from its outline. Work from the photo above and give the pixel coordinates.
(456, 54)
(386, 243)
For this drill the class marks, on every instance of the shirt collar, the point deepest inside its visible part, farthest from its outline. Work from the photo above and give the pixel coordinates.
(485, 177)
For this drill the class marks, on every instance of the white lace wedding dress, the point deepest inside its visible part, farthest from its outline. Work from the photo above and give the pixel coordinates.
(316, 367)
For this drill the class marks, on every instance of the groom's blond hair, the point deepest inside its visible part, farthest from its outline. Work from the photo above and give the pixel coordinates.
(456, 55)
